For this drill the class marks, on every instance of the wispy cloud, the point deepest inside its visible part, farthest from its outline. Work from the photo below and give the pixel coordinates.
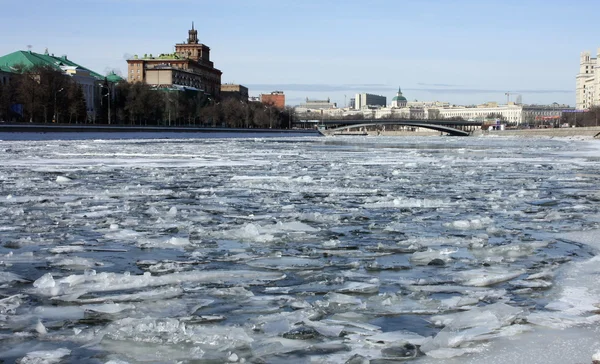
(321, 87)
(381, 88)
(438, 84)
(486, 91)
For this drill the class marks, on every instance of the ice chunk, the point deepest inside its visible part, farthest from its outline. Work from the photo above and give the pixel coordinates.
(63, 179)
(45, 356)
(401, 336)
(40, 328)
(287, 263)
(359, 287)
(45, 282)
(475, 224)
(76, 285)
(61, 249)
(480, 323)
(426, 257)
(488, 276)
(8, 277)
(9, 305)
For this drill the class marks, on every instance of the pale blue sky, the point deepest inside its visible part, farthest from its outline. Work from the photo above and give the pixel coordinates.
(460, 51)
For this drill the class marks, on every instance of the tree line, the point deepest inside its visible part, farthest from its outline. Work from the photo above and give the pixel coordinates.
(140, 104)
(42, 94)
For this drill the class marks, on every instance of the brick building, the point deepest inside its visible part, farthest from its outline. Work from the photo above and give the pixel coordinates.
(189, 66)
(275, 98)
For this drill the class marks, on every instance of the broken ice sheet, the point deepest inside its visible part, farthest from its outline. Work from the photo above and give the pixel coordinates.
(77, 285)
(489, 276)
(461, 330)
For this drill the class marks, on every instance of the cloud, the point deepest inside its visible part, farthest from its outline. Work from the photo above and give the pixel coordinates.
(381, 88)
(486, 91)
(438, 85)
(321, 87)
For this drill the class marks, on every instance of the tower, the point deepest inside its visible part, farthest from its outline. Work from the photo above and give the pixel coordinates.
(399, 101)
(586, 81)
(193, 49)
(192, 35)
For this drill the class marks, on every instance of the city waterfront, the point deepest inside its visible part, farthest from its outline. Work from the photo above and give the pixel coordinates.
(300, 250)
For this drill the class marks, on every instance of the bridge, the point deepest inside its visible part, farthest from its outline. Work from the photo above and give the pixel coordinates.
(452, 127)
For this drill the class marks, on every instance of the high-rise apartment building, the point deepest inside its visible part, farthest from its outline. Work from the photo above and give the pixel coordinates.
(588, 81)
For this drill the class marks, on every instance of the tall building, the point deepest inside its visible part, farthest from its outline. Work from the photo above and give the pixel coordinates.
(188, 67)
(275, 98)
(365, 101)
(588, 82)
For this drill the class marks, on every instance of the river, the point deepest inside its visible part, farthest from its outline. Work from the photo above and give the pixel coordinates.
(299, 250)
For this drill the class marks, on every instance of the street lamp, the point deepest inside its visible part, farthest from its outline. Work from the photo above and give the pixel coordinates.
(55, 113)
(107, 94)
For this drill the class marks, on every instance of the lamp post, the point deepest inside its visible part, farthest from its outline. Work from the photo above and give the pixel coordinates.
(107, 94)
(54, 120)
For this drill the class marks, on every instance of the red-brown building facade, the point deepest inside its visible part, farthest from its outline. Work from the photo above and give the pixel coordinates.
(275, 98)
(189, 66)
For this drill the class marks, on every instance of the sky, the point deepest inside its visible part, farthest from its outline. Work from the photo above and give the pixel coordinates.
(460, 51)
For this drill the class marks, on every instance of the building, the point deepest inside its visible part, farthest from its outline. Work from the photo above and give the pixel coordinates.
(537, 114)
(237, 92)
(89, 80)
(275, 98)
(188, 67)
(5, 73)
(588, 82)
(315, 105)
(365, 101)
(511, 113)
(399, 101)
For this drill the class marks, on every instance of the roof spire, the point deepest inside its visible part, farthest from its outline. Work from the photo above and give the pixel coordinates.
(193, 35)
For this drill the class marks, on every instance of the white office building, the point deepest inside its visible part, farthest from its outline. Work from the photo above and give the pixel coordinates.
(511, 113)
(588, 82)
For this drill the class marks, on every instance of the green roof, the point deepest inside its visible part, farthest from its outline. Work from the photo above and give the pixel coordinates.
(31, 59)
(399, 98)
(114, 78)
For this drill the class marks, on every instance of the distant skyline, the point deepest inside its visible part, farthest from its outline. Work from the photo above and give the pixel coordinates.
(462, 51)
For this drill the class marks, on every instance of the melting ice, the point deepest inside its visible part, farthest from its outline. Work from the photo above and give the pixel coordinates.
(307, 250)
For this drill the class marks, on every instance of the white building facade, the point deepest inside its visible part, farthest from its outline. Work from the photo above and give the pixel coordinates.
(588, 82)
(511, 113)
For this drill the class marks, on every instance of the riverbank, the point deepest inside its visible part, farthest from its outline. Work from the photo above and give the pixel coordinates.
(589, 132)
(586, 133)
(82, 128)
